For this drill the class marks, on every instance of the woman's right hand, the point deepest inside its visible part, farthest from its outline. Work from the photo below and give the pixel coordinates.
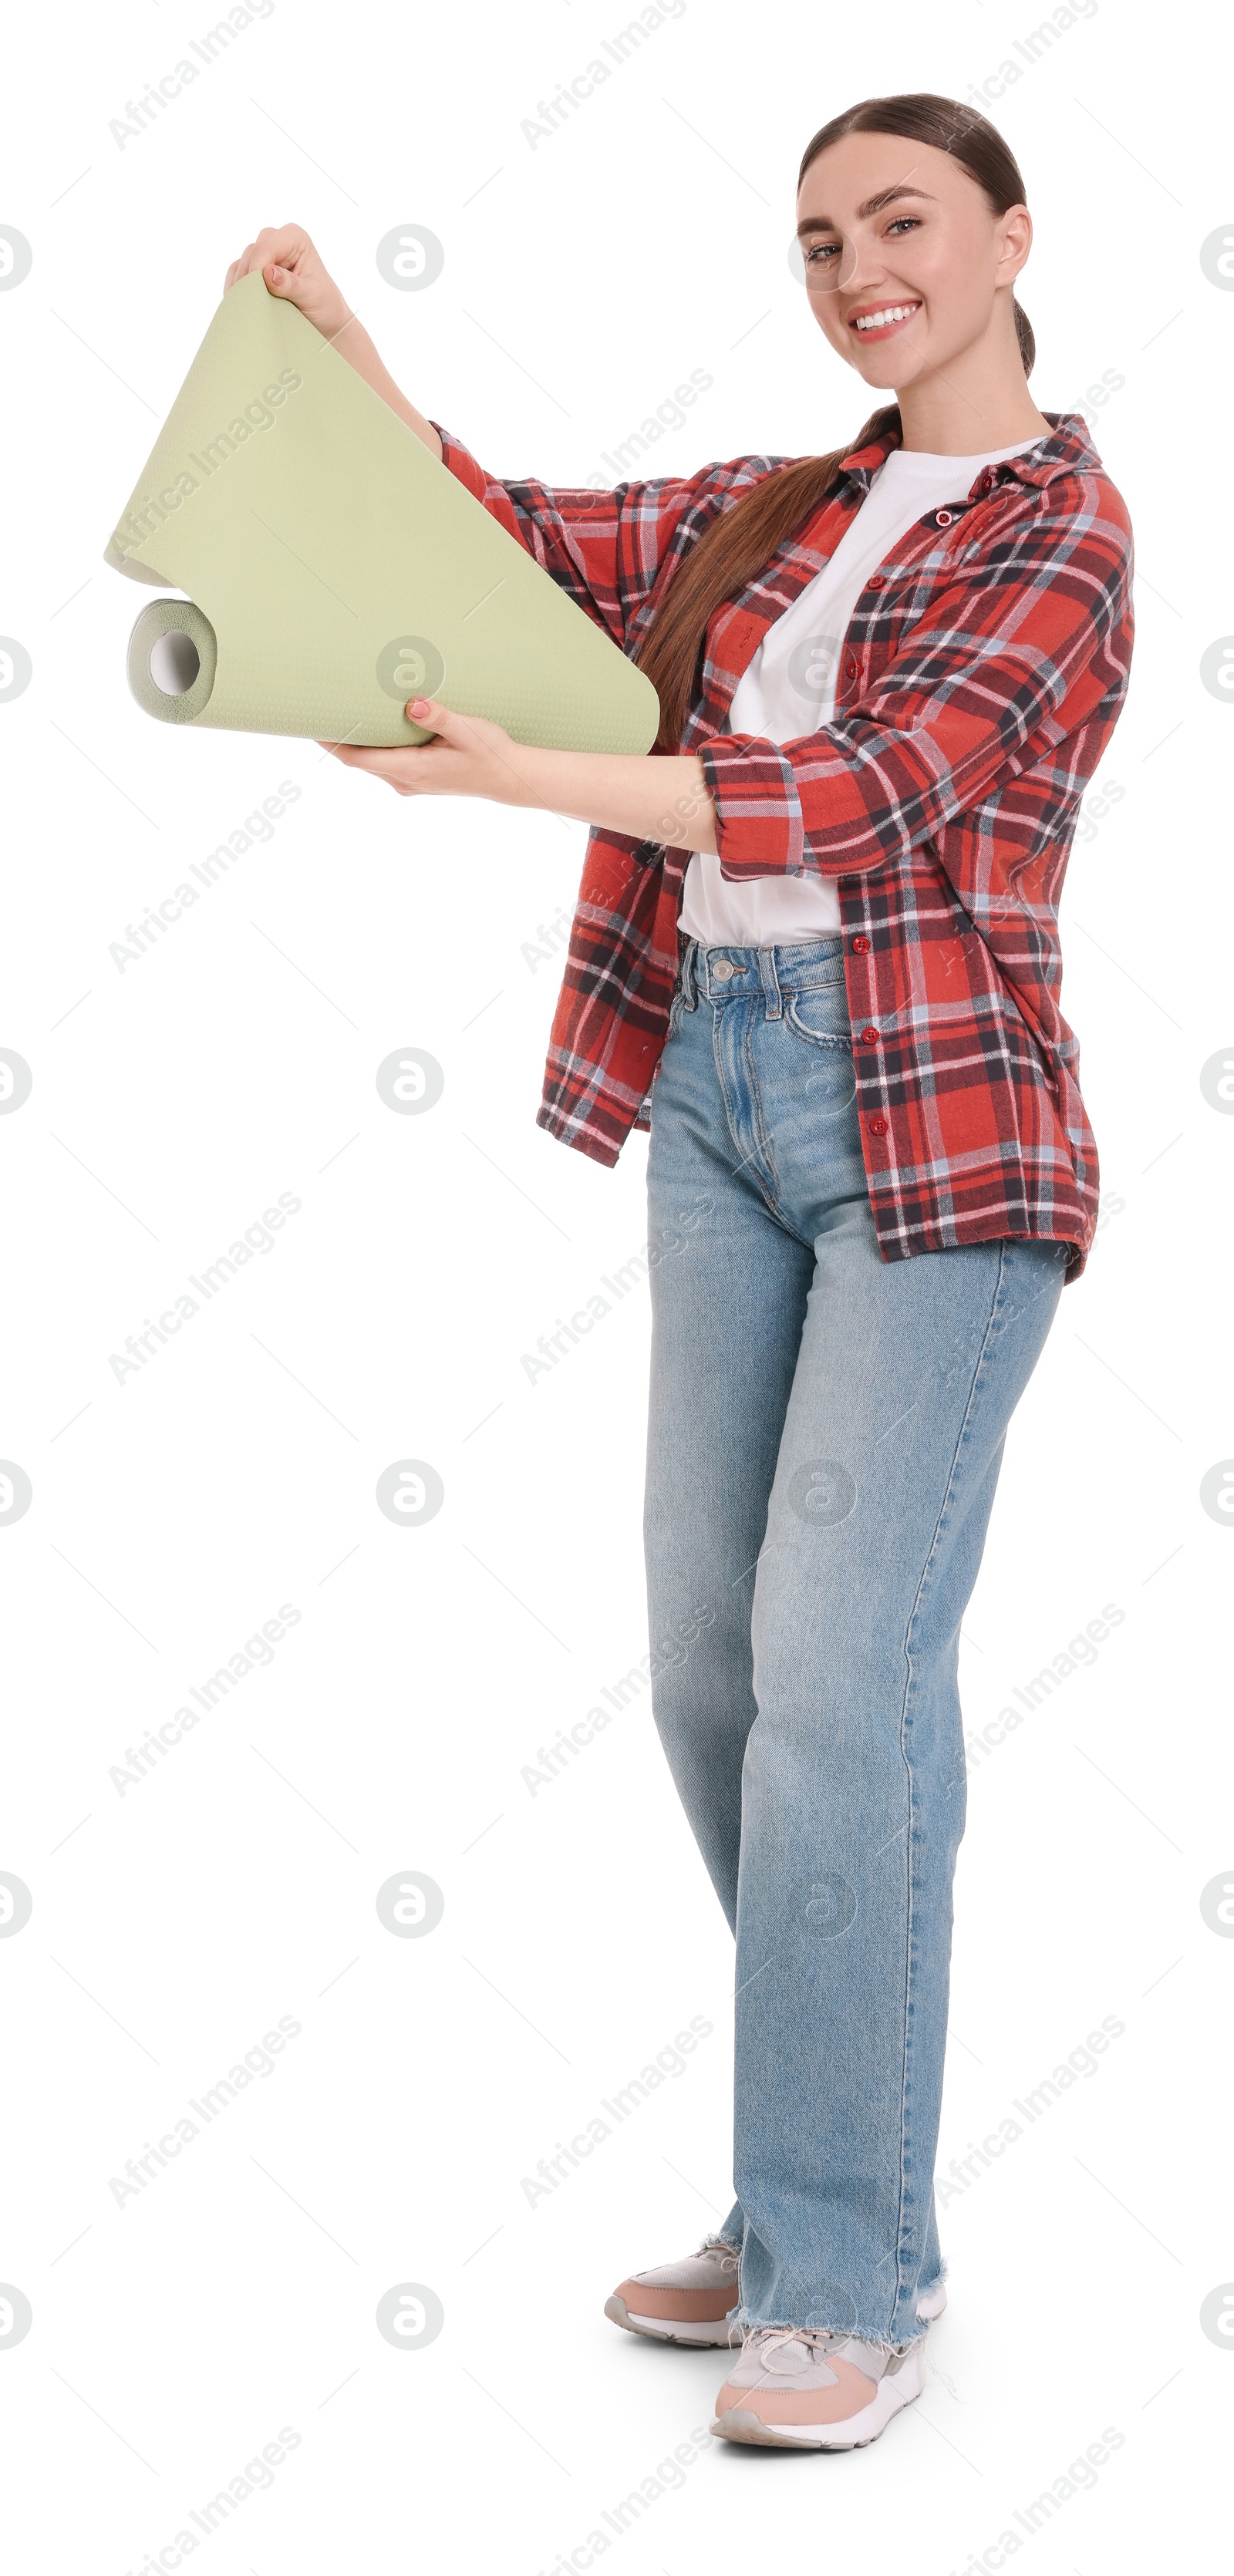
(285, 257)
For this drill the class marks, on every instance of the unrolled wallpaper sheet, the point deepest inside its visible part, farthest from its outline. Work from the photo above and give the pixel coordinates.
(334, 568)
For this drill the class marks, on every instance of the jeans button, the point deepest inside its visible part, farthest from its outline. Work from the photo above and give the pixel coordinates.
(722, 970)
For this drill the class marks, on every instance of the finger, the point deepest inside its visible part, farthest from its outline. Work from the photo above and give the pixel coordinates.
(433, 717)
(299, 285)
(281, 245)
(356, 756)
(288, 263)
(286, 243)
(457, 732)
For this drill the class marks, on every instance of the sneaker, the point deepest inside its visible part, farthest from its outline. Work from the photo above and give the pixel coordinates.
(797, 2390)
(686, 2302)
(694, 2300)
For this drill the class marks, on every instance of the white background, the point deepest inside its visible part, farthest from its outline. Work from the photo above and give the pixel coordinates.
(172, 1514)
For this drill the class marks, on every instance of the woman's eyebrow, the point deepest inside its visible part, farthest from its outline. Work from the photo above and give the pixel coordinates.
(871, 206)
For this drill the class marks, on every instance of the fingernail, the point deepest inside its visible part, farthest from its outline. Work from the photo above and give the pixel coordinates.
(419, 706)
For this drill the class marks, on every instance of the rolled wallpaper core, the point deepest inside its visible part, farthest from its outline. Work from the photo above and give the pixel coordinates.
(168, 680)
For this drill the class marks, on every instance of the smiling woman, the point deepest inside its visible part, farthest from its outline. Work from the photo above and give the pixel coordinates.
(816, 952)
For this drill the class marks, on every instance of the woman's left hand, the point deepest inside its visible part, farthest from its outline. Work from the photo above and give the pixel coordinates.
(650, 796)
(469, 756)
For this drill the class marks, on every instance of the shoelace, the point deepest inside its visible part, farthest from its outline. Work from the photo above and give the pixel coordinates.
(716, 2245)
(764, 2340)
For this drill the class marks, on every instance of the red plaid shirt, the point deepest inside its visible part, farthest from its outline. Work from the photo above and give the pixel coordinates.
(981, 676)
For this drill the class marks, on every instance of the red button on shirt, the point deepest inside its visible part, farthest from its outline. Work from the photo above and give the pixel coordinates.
(861, 946)
(869, 1037)
(942, 518)
(878, 1126)
(851, 670)
(877, 581)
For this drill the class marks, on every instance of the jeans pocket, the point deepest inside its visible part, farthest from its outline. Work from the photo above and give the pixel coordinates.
(820, 1015)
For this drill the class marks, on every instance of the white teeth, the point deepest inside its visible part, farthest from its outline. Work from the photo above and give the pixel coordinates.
(893, 313)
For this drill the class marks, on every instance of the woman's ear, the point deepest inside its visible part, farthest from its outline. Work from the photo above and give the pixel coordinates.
(1014, 238)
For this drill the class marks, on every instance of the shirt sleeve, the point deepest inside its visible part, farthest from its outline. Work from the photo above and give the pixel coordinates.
(607, 549)
(1015, 654)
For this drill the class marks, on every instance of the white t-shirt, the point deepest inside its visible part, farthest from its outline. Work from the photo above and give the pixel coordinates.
(789, 689)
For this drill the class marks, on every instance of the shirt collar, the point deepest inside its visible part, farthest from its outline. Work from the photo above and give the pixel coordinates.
(1068, 449)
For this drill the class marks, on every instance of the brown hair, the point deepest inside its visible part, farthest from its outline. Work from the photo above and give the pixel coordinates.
(744, 538)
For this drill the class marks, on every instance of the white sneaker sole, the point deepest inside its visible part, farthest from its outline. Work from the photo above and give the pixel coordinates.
(716, 2335)
(892, 2394)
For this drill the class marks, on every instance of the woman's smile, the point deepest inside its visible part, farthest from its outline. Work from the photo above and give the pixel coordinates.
(881, 321)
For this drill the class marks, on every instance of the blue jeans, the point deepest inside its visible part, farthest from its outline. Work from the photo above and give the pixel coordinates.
(826, 1434)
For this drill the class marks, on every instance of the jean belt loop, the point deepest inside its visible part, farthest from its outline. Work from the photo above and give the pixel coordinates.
(771, 983)
(689, 986)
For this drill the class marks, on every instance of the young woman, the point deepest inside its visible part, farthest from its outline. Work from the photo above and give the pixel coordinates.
(816, 952)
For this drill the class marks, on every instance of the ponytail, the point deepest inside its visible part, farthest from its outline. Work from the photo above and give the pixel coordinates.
(730, 552)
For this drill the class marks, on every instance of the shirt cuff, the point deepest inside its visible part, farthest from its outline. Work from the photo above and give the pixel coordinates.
(485, 488)
(460, 460)
(760, 831)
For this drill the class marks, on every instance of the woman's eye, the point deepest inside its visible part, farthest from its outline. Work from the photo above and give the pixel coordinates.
(820, 252)
(904, 224)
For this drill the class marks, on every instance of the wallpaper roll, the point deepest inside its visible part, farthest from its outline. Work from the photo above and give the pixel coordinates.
(334, 568)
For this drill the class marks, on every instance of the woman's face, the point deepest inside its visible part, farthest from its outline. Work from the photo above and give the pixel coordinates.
(907, 267)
